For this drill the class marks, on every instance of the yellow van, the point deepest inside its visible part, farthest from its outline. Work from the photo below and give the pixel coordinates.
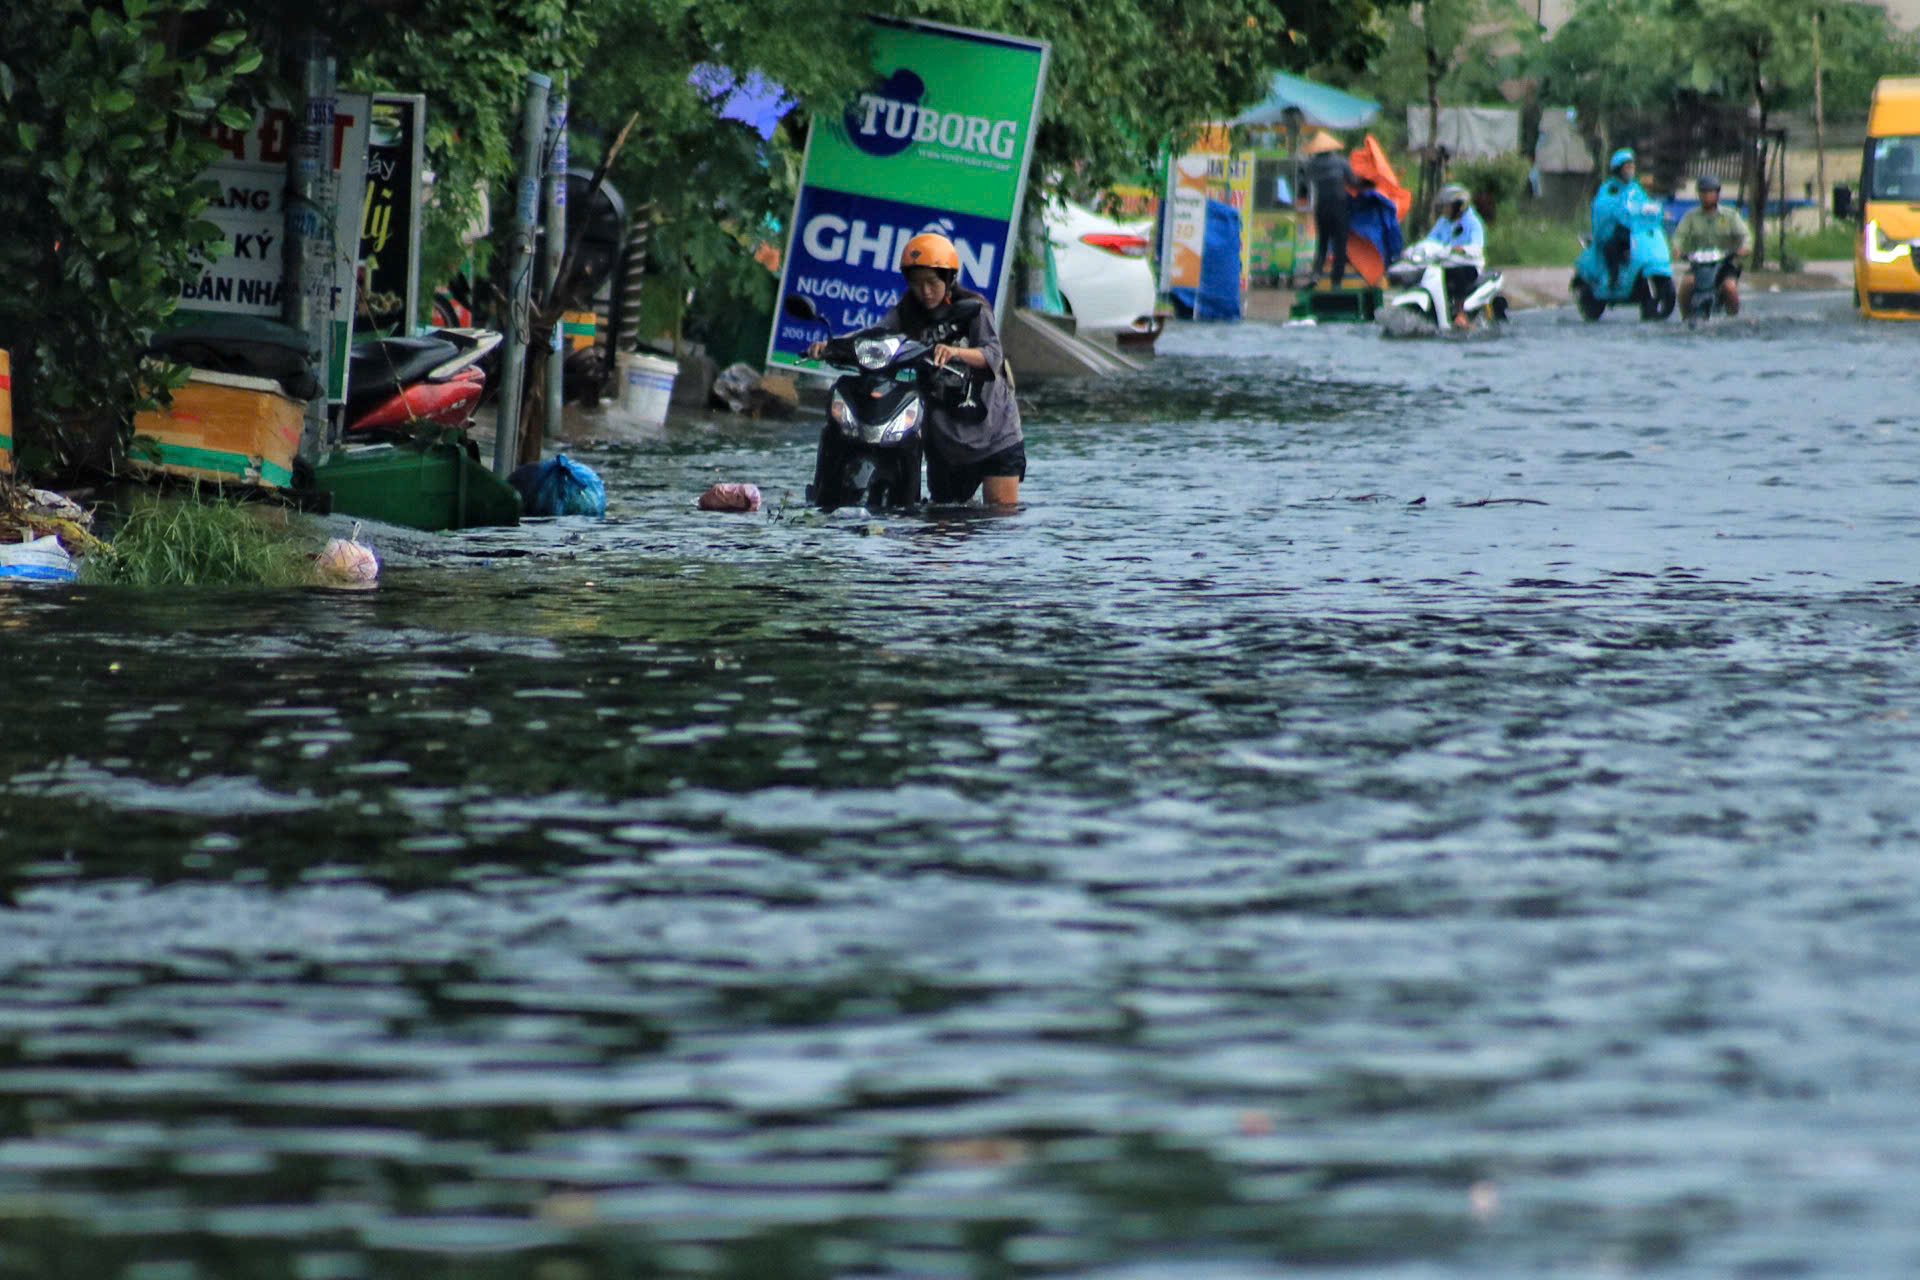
(1886, 276)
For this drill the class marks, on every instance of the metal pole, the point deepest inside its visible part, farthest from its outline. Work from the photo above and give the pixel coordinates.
(556, 220)
(306, 291)
(526, 198)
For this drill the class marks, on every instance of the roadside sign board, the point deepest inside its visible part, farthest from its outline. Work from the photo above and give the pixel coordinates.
(939, 141)
(244, 276)
(388, 292)
(1210, 170)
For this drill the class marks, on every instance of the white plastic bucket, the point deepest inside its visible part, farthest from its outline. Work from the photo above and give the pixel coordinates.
(646, 385)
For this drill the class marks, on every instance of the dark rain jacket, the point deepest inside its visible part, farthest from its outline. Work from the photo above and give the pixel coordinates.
(961, 442)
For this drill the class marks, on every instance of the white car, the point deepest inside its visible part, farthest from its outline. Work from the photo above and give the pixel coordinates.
(1104, 273)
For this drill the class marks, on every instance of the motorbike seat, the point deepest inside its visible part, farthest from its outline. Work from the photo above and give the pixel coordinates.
(245, 345)
(378, 369)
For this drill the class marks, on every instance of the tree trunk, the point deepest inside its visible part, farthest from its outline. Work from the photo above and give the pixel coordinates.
(1819, 130)
(1430, 174)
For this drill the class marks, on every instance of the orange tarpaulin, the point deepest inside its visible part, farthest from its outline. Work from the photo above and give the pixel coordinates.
(1370, 162)
(1364, 258)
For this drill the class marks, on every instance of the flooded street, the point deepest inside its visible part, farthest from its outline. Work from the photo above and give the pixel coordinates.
(1420, 808)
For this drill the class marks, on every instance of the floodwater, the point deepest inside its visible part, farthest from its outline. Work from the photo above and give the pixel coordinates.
(1414, 809)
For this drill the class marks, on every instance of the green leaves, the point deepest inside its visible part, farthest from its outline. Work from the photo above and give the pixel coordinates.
(100, 158)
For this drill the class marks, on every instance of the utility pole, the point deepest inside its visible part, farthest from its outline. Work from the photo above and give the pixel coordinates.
(306, 290)
(556, 250)
(526, 209)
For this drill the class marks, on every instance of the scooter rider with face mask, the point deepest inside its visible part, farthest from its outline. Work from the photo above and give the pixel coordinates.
(965, 452)
(1465, 238)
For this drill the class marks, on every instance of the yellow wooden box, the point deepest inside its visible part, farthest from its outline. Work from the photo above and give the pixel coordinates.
(577, 329)
(6, 413)
(225, 427)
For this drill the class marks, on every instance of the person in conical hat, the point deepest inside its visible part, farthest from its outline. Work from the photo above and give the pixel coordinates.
(1329, 177)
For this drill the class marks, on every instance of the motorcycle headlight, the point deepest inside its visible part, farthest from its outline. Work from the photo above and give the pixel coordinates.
(894, 429)
(876, 353)
(840, 413)
(1882, 247)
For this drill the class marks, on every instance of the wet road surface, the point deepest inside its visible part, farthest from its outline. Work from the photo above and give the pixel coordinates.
(1426, 808)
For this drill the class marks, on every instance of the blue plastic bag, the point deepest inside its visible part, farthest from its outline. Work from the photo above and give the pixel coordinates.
(559, 487)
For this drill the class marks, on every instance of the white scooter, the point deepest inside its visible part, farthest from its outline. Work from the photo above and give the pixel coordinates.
(1420, 276)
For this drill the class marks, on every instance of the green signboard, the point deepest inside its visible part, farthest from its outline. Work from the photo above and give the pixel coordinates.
(939, 140)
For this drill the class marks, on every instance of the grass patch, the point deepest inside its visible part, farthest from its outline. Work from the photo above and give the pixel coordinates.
(1534, 240)
(1833, 243)
(166, 542)
(1539, 240)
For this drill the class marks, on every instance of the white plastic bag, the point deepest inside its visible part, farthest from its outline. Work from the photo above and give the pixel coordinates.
(43, 559)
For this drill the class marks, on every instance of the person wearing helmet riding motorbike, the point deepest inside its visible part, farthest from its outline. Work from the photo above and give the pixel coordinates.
(1465, 238)
(1619, 198)
(1712, 227)
(988, 455)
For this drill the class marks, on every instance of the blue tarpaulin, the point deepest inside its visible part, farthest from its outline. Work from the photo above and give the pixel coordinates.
(751, 99)
(1374, 217)
(1218, 297)
(1318, 104)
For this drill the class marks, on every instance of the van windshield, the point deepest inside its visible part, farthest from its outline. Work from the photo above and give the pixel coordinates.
(1894, 172)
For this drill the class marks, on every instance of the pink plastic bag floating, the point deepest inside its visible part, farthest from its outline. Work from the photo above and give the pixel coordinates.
(348, 561)
(730, 496)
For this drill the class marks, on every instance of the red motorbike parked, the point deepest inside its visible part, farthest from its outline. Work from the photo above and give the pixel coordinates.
(396, 385)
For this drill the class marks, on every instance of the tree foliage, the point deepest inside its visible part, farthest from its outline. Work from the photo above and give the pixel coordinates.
(106, 101)
(1610, 62)
(471, 61)
(1461, 51)
(1126, 79)
(1616, 61)
(102, 140)
(1447, 52)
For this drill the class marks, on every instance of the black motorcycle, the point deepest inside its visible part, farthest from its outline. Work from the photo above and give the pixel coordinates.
(871, 448)
(1709, 267)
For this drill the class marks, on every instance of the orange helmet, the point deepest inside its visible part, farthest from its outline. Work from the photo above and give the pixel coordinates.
(930, 249)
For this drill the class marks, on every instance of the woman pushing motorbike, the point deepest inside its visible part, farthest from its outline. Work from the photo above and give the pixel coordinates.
(966, 451)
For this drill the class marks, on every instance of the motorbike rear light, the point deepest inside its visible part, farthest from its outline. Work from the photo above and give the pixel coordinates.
(1127, 246)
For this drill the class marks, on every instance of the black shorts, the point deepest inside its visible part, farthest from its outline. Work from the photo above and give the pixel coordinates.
(957, 482)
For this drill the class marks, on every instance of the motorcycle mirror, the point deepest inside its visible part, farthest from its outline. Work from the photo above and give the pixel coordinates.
(799, 308)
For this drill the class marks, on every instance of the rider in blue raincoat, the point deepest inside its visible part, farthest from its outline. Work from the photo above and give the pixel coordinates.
(1619, 201)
